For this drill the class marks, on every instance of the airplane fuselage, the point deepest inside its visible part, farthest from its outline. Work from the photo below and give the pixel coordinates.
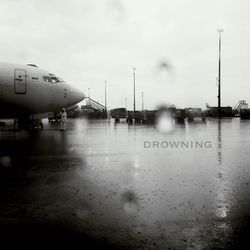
(27, 90)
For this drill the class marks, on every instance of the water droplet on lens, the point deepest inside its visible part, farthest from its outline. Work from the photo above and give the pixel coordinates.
(5, 161)
(130, 202)
(164, 121)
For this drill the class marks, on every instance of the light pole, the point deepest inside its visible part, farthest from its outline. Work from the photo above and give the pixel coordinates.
(142, 101)
(89, 92)
(106, 98)
(134, 90)
(220, 30)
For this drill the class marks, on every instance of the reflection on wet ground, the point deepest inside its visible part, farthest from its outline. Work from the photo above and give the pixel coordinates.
(99, 184)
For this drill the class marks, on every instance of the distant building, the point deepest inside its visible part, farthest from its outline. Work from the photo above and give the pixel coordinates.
(87, 109)
(118, 113)
(194, 112)
(225, 111)
(245, 113)
(93, 109)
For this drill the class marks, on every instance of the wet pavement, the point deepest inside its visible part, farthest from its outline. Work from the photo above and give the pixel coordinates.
(119, 186)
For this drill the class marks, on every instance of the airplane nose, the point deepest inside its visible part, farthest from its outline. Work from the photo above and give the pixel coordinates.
(76, 95)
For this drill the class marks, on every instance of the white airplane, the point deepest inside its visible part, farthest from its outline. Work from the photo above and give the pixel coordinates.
(28, 93)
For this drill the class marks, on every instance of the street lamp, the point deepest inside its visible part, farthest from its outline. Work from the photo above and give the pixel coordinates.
(89, 92)
(142, 101)
(220, 30)
(134, 90)
(105, 96)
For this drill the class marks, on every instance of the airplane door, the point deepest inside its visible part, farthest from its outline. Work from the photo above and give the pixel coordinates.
(20, 81)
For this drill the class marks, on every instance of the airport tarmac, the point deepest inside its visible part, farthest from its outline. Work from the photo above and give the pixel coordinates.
(119, 186)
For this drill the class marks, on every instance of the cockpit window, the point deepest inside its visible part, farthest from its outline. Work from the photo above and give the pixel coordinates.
(60, 79)
(46, 78)
(51, 79)
(55, 79)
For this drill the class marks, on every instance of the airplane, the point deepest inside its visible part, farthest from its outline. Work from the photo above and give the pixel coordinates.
(29, 94)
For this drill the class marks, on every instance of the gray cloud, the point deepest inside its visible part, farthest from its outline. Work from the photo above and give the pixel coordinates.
(87, 42)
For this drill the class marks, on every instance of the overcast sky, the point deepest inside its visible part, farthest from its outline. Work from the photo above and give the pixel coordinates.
(173, 45)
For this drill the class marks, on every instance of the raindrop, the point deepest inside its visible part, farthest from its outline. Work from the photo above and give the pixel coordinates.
(130, 202)
(5, 161)
(164, 120)
(164, 65)
(83, 211)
